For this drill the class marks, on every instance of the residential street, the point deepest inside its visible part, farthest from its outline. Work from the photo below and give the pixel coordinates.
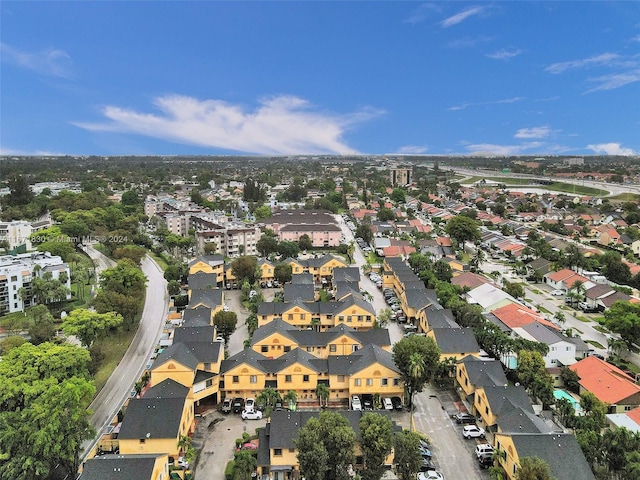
(109, 400)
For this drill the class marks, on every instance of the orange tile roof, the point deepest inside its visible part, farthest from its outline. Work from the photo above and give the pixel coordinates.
(607, 382)
(444, 241)
(514, 316)
(634, 415)
(560, 275)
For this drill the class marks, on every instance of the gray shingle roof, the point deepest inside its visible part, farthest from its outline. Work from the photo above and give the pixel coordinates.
(440, 317)
(522, 421)
(560, 450)
(152, 418)
(194, 334)
(248, 356)
(484, 373)
(205, 352)
(178, 352)
(200, 280)
(503, 400)
(302, 279)
(167, 389)
(209, 297)
(196, 317)
(303, 292)
(118, 467)
(456, 340)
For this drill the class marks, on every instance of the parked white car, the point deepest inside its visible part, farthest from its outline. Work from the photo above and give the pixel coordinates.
(251, 415)
(250, 404)
(473, 431)
(557, 293)
(355, 403)
(484, 449)
(386, 402)
(430, 475)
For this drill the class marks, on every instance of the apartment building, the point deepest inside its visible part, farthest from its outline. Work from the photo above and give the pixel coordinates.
(18, 271)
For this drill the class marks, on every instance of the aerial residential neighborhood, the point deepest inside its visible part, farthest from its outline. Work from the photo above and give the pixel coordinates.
(378, 317)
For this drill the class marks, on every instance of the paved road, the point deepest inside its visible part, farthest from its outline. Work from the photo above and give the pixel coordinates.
(109, 400)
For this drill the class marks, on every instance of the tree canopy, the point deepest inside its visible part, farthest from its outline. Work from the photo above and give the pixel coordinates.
(376, 441)
(462, 229)
(89, 326)
(413, 347)
(624, 319)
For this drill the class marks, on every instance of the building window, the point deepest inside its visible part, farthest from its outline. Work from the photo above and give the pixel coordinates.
(287, 378)
(253, 379)
(309, 349)
(207, 366)
(290, 316)
(333, 348)
(305, 378)
(302, 316)
(287, 348)
(360, 318)
(341, 378)
(384, 382)
(369, 382)
(341, 318)
(357, 382)
(264, 348)
(277, 452)
(396, 382)
(349, 319)
(209, 383)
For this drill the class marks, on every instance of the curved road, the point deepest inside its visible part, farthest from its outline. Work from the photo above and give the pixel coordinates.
(156, 305)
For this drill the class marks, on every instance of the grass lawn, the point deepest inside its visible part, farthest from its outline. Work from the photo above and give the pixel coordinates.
(583, 319)
(625, 197)
(114, 348)
(161, 263)
(594, 343)
(543, 310)
(14, 321)
(601, 329)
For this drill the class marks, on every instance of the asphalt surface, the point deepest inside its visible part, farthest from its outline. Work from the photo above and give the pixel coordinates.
(111, 397)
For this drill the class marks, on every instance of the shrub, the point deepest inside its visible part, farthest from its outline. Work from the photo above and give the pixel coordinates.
(229, 470)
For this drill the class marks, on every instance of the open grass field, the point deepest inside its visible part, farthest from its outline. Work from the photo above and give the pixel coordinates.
(557, 186)
(113, 349)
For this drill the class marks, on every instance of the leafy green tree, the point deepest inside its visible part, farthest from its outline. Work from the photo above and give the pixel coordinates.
(312, 454)
(125, 278)
(397, 195)
(245, 464)
(338, 439)
(462, 229)
(405, 355)
(226, 323)
(288, 249)
(89, 326)
(174, 288)
(41, 326)
(442, 271)
(262, 212)
(305, 242)
(383, 318)
(624, 319)
(177, 272)
(570, 379)
(364, 231)
(132, 252)
(283, 273)
(127, 305)
(44, 397)
(267, 244)
(385, 214)
(406, 448)
(514, 289)
(244, 268)
(19, 192)
(376, 441)
(534, 468)
(323, 393)
(9, 343)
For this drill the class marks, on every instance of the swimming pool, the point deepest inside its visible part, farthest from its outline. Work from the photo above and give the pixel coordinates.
(560, 393)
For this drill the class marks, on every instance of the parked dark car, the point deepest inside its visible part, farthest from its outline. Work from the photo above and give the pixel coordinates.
(238, 405)
(396, 402)
(427, 464)
(485, 460)
(463, 418)
(367, 401)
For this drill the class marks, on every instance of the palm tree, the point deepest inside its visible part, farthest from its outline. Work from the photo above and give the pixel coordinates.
(617, 346)
(323, 393)
(416, 371)
(559, 317)
(291, 398)
(478, 259)
(579, 288)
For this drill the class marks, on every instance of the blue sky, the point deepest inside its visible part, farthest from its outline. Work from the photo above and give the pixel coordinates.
(204, 77)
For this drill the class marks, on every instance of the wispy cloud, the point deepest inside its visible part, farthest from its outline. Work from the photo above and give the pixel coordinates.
(612, 149)
(636, 38)
(462, 106)
(614, 80)
(4, 151)
(533, 132)
(491, 149)
(505, 54)
(462, 16)
(468, 42)
(277, 125)
(51, 61)
(413, 149)
(421, 13)
(604, 59)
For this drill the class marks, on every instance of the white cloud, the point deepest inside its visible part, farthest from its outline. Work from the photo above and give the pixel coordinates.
(413, 149)
(52, 61)
(462, 16)
(28, 153)
(462, 106)
(504, 54)
(490, 149)
(604, 59)
(612, 149)
(533, 132)
(614, 80)
(277, 125)
(636, 38)
(421, 13)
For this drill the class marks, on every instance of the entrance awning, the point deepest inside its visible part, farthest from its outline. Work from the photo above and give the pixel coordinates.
(281, 468)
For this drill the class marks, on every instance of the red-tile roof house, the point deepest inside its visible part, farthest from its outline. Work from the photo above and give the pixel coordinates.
(444, 241)
(608, 383)
(515, 316)
(470, 280)
(398, 250)
(566, 279)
